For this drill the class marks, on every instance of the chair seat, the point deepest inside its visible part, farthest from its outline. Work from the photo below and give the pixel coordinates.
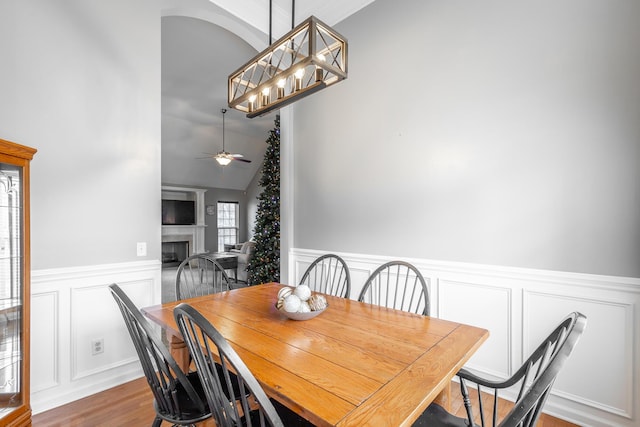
(189, 411)
(288, 417)
(188, 407)
(436, 416)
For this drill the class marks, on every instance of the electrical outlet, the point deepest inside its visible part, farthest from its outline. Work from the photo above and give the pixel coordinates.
(141, 248)
(97, 346)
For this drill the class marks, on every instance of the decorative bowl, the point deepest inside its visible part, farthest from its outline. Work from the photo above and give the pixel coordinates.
(301, 316)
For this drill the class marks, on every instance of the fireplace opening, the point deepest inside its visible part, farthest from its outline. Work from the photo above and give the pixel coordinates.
(173, 253)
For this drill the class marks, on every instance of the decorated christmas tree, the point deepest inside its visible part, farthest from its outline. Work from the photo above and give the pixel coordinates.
(264, 266)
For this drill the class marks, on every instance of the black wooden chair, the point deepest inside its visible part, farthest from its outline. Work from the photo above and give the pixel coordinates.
(399, 285)
(328, 274)
(535, 379)
(231, 389)
(200, 275)
(178, 397)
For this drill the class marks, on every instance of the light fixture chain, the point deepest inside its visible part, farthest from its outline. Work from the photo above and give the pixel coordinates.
(270, 22)
(223, 110)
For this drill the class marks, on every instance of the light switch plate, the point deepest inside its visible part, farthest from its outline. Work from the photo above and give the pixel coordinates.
(141, 248)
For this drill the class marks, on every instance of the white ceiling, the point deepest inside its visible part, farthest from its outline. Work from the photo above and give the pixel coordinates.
(256, 12)
(197, 57)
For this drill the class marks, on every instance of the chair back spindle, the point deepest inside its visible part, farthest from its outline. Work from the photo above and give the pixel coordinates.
(399, 285)
(178, 397)
(200, 275)
(328, 274)
(234, 395)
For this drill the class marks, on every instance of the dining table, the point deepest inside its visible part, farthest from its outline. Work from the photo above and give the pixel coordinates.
(355, 364)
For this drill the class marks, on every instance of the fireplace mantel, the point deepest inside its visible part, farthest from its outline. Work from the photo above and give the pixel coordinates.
(194, 234)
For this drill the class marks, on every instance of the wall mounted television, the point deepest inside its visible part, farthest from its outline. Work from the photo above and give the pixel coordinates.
(178, 212)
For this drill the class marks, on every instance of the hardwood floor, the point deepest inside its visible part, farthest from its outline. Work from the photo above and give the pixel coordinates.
(131, 405)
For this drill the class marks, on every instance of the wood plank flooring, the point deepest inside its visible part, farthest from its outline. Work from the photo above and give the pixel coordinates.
(131, 405)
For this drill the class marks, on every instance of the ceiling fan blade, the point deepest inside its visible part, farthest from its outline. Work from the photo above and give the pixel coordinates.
(240, 157)
(208, 156)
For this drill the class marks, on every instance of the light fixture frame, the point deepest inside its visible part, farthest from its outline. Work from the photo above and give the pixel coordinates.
(246, 94)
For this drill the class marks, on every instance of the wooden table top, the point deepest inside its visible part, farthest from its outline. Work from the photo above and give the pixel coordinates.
(354, 364)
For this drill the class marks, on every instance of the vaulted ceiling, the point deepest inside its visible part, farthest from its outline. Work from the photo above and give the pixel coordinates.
(202, 43)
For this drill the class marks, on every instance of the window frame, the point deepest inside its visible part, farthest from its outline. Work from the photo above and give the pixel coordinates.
(224, 215)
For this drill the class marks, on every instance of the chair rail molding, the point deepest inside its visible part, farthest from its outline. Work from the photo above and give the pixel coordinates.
(519, 307)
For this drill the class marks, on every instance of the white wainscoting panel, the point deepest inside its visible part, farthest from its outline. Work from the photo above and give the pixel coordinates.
(600, 384)
(606, 349)
(44, 341)
(466, 303)
(103, 321)
(71, 307)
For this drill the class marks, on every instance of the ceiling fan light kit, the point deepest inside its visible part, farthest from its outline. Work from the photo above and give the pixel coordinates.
(309, 58)
(224, 157)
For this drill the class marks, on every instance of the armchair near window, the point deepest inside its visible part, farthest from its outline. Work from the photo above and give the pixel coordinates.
(244, 256)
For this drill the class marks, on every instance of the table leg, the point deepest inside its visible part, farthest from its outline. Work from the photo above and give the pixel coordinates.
(444, 398)
(179, 351)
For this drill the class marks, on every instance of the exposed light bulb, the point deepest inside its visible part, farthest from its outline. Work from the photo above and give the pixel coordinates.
(280, 91)
(319, 70)
(299, 74)
(265, 96)
(252, 103)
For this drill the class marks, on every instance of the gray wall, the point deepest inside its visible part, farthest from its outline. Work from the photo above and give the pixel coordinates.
(212, 197)
(494, 132)
(80, 81)
(519, 145)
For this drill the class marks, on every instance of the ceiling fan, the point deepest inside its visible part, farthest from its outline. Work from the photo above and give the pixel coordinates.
(224, 157)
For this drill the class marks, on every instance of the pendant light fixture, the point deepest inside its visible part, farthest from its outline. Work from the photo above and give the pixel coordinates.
(307, 59)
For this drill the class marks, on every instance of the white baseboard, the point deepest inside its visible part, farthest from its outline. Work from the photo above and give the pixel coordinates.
(44, 401)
